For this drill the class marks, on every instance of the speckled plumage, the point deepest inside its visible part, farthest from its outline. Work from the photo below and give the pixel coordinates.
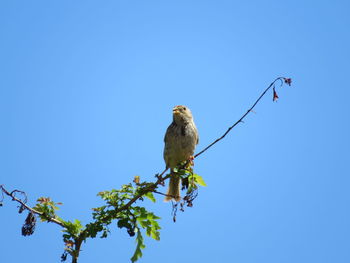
(180, 140)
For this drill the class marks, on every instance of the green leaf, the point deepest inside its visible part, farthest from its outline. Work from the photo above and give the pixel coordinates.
(77, 224)
(144, 224)
(199, 180)
(140, 245)
(156, 235)
(72, 228)
(150, 196)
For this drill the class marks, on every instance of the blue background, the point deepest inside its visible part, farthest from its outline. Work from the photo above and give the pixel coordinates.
(86, 92)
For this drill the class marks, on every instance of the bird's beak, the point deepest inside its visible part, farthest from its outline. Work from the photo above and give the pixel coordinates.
(176, 111)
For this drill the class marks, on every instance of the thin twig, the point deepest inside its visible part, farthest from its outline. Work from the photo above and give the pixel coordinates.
(241, 119)
(14, 198)
(160, 193)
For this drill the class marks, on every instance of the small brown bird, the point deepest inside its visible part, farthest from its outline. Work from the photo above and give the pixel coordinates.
(180, 141)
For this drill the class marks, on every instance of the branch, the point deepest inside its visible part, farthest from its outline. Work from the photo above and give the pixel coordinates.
(160, 180)
(282, 81)
(23, 204)
(151, 188)
(74, 233)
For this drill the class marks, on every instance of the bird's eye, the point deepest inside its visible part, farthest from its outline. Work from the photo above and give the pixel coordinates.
(184, 108)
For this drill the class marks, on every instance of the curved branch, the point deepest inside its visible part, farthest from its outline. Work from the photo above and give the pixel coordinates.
(281, 79)
(23, 204)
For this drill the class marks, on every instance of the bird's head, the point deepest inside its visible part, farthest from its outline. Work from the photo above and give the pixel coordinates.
(182, 114)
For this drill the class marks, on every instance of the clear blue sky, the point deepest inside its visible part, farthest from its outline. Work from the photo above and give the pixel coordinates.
(86, 92)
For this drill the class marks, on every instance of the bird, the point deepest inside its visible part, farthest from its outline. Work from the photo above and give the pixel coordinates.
(180, 141)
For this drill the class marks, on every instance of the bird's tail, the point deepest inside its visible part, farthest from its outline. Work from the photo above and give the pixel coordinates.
(174, 189)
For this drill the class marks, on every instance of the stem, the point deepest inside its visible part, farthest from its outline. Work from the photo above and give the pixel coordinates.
(241, 119)
(77, 245)
(14, 198)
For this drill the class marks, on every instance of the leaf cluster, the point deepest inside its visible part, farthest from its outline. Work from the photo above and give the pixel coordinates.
(118, 207)
(47, 209)
(190, 182)
(132, 218)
